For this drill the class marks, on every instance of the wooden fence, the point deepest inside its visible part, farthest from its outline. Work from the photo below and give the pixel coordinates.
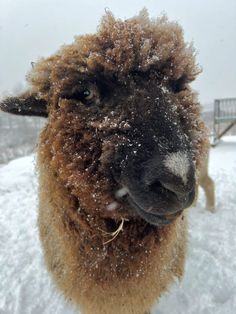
(224, 117)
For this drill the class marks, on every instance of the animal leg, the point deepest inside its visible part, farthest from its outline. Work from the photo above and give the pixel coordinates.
(209, 188)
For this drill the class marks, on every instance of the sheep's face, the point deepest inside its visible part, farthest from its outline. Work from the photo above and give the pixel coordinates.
(124, 137)
(123, 148)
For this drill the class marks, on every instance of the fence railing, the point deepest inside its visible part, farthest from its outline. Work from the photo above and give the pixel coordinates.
(224, 117)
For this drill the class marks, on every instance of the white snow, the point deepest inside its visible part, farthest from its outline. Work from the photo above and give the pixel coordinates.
(209, 283)
(122, 192)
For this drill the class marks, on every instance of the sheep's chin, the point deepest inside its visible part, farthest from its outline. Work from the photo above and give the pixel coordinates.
(154, 219)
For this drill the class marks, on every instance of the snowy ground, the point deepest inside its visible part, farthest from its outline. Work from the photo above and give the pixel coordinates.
(209, 284)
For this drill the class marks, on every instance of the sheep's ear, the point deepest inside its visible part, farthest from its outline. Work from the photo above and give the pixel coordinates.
(27, 104)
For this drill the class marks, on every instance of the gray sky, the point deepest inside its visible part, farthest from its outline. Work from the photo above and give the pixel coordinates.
(33, 28)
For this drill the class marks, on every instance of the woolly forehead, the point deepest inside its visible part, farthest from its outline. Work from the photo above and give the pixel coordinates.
(121, 48)
(138, 44)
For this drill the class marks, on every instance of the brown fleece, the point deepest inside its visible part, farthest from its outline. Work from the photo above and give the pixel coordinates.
(128, 274)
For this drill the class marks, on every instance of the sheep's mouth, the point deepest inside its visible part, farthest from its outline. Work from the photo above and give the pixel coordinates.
(159, 209)
(154, 219)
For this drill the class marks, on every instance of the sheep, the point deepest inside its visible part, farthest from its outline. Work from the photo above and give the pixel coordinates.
(118, 161)
(207, 183)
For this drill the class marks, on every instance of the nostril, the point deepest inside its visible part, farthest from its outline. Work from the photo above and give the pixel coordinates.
(154, 186)
(159, 186)
(176, 189)
(181, 192)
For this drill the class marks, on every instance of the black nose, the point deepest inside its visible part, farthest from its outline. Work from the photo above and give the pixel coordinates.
(162, 187)
(179, 181)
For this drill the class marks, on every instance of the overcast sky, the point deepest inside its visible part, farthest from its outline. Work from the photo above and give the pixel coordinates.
(33, 28)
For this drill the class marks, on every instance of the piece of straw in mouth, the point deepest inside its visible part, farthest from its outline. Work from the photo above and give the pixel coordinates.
(115, 233)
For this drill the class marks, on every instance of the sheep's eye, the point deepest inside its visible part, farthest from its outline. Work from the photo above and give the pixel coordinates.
(83, 94)
(87, 94)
